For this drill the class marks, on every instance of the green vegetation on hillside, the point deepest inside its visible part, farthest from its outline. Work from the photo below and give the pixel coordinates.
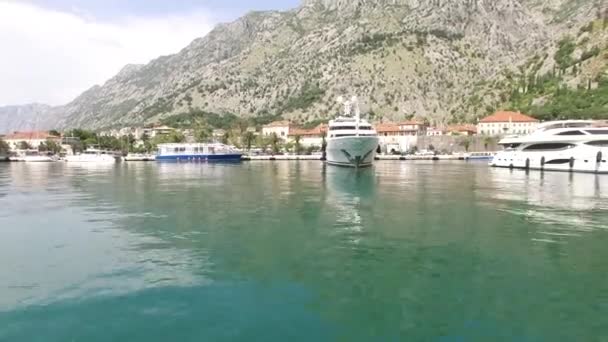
(561, 102)
(576, 89)
(200, 118)
(307, 96)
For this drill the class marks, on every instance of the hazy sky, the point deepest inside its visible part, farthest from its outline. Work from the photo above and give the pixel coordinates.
(52, 50)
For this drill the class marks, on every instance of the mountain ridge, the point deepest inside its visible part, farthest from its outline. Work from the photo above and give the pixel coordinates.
(403, 58)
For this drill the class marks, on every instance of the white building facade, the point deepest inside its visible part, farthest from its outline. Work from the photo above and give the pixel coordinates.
(507, 123)
(280, 128)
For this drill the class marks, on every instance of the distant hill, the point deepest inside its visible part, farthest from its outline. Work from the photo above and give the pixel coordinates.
(24, 118)
(442, 60)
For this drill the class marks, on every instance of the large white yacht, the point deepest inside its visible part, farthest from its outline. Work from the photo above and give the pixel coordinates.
(92, 155)
(351, 140)
(573, 145)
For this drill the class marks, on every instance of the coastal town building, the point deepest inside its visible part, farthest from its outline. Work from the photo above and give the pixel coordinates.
(309, 137)
(158, 130)
(504, 123)
(400, 137)
(33, 139)
(462, 129)
(218, 134)
(280, 128)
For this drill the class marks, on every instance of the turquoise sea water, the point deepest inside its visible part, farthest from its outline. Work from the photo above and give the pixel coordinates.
(301, 252)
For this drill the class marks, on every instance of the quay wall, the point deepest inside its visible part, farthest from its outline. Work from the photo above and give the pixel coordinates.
(453, 144)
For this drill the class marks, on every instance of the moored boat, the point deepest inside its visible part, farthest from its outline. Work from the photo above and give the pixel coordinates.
(197, 153)
(480, 156)
(351, 140)
(92, 155)
(139, 157)
(32, 156)
(573, 146)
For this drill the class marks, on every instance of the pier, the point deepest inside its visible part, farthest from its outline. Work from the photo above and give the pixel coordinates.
(378, 157)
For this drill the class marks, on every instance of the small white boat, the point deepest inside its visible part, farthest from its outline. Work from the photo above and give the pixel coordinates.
(32, 156)
(139, 157)
(573, 146)
(351, 141)
(92, 155)
(480, 156)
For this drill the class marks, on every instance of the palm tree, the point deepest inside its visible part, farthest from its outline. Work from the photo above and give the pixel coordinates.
(487, 141)
(274, 142)
(248, 140)
(297, 144)
(324, 146)
(466, 143)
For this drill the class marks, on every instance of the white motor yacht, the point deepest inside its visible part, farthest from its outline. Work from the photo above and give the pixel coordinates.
(572, 145)
(92, 155)
(351, 140)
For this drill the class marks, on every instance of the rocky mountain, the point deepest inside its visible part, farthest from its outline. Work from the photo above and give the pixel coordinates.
(24, 118)
(443, 60)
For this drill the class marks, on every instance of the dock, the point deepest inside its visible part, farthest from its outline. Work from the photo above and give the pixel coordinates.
(378, 157)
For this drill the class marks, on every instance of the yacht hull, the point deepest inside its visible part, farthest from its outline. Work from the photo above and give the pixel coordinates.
(33, 159)
(355, 151)
(578, 159)
(105, 159)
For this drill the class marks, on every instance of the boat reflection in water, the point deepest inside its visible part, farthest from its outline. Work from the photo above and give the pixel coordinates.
(350, 195)
(565, 204)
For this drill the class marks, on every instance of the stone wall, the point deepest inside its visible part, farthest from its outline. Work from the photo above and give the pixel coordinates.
(452, 143)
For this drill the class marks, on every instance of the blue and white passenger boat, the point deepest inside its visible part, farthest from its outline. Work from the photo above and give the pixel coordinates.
(197, 153)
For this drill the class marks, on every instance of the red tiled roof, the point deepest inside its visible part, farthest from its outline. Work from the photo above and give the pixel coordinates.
(36, 135)
(462, 128)
(317, 131)
(507, 117)
(387, 128)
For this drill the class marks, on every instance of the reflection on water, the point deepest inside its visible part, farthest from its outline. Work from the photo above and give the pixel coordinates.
(348, 192)
(562, 204)
(300, 251)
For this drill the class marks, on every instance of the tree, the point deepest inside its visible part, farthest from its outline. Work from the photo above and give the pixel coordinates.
(24, 145)
(262, 142)
(202, 134)
(171, 138)
(274, 143)
(50, 146)
(466, 143)
(487, 141)
(563, 56)
(54, 133)
(248, 140)
(4, 147)
(225, 138)
(298, 146)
